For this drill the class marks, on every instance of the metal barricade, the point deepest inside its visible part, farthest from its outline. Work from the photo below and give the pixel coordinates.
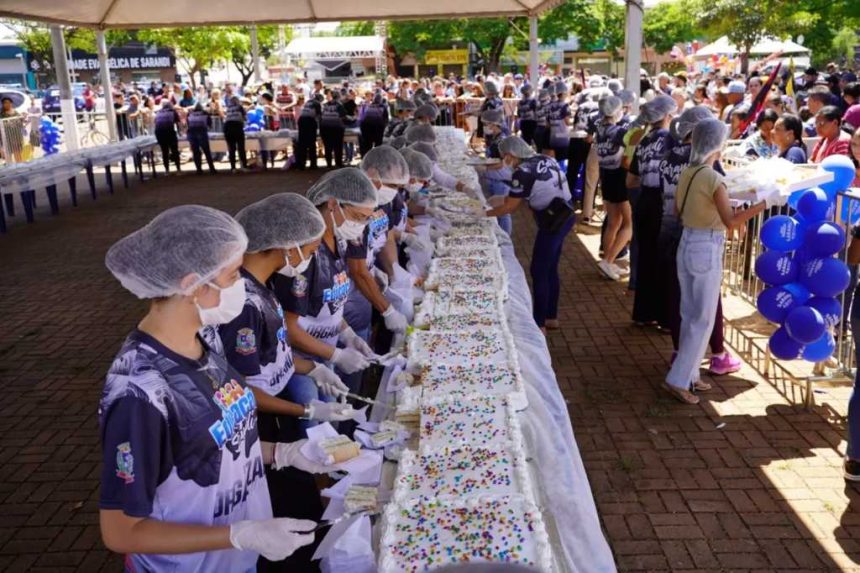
(13, 140)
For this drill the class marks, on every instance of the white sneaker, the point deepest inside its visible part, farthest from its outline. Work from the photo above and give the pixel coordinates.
(622, 271)
(608, 269)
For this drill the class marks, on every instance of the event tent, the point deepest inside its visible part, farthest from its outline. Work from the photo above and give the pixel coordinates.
(336, 47)
(765, 47)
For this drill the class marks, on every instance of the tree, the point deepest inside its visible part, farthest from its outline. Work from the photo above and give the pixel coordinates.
(239, 40)
(843, 44)
(364, 28)
(196, 49)
(745, 23)
(669, 23)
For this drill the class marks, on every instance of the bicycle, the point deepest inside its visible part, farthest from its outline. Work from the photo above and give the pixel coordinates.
(93, 137)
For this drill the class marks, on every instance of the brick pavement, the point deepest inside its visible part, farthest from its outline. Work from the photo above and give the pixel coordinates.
(674, 491)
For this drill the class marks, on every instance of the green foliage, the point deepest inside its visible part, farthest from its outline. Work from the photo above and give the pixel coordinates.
(239, 46)
(196, 48)
(364, 28)
(668, 23)
(844, 42)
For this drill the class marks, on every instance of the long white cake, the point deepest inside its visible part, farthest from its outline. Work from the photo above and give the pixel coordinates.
(469, 348)
(478, 421)
(459, 302)
(437, 382)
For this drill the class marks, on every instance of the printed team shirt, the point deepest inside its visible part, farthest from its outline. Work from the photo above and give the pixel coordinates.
(180, 444)
(166, 120)
(610, 145)
(650, 152)
(255, 342)
(542, 114)
(199, 122)
(400, 209)
(491, 142)
(558, 110)
(539, 180)
(527, 109)
(671, 166)
(311, 109)
(319, 294)
(333, 114)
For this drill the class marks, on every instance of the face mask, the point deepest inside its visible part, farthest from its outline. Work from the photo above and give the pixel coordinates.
(229, 307)
(386, 194)
(290, 271)
(349, 230)
(415, 187)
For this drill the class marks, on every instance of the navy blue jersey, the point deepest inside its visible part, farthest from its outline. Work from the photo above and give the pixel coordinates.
(255, 342)
(166, 119)
(542, 113)
(558, 110)
(311, 109)
(651, 150)
(492, 142)
(675, 161)
(180, 444)
(610, 145)
(527, 109)
(199, 121)
(333, 114)
(539, 180)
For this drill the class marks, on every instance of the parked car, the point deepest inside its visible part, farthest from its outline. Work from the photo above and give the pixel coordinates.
(51, 99)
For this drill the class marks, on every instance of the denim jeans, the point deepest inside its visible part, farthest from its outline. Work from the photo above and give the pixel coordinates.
(853, 450)
(700, 268)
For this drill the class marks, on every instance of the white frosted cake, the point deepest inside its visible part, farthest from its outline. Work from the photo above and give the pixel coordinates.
(478, 421)
(456, 302)
(440, 381)
(460, 242)
(466, 322)
(469, 348)
(488, 263)
(425, 535)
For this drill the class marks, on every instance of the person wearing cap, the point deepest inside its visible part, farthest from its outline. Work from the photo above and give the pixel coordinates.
(735, 95)
(426, 114)
(314, 300)
(527, 114)
(558, 118)
(404, 108)
(495, 179)
(374, 119)
(166, 123)
(332, 129)
(183, 485)
(705, 211)
(491, 101)
(810, 76)
(538, 180)
(306, 143)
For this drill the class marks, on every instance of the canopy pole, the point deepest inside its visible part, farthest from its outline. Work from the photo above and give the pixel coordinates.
(633, 49)
(255, 53)
(534, 73)
(67, 102)
(104, 73)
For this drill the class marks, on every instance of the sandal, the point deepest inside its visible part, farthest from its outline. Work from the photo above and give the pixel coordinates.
(552, 324)
(700, 386)
(684, 396)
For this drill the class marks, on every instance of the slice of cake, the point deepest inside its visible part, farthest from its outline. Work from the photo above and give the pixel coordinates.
(441, 381)
(468, 348)
(339, 449)
(360, 498)
(478, 421)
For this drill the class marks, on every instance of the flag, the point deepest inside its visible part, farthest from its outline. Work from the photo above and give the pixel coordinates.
(758, 103)
(789, 83)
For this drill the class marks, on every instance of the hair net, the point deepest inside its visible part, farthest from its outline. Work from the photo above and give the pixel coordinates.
(347, 185)
(614, 85)
(515, 146)
(559, 87)
(627, 97)
(191, 239)
(493, 116)
(386, 165)
(280, 221)
(335, 95)
(420, 166)
(405, 105)
(595, 82)
(420, 132)
(398, 142)
(658, 108)
(526, 90)
(683, 125)
(427, 110)
(609, 106)
(427, 149)
(490, 88)
(544, 93)
(708, 137)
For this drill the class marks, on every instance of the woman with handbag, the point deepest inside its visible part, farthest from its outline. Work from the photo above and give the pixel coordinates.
(538, 180)
(702, 202)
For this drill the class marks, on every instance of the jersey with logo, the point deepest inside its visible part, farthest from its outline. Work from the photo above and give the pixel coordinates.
(180, 444)
(333, 114)
(650, 152)
(527, 109)
(319, 294)
(491, 142)
(255, 342)
(199, 122)
(610, 145)
(539, 180)
(671, 166)
(558, 110)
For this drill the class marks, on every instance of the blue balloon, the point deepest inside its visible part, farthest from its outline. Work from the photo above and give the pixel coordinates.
(800, 292)
(805, 324)
(774, 303)
(850, 211)
(813, 205)
(830, 309)
(843, 174)
(825, 277)
(783, 346)
(776, 268)
(824, 239)
(821, 349)
(780, 233)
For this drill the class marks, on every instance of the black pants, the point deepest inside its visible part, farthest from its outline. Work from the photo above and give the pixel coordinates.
(647, 216)
(332, 136)
(306, 146)
(234, 135)
(541, 134)
(169, 144)
(577, 153)
(371, 135)
(527, 130)
(199, 141)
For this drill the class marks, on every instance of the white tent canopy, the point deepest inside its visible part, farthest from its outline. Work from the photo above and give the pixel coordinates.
(175, 13)
(336, 47)
(765, 47)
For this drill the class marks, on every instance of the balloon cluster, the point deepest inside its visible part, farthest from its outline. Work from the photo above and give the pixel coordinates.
(803, 276)
(255, 120)
(49, 136)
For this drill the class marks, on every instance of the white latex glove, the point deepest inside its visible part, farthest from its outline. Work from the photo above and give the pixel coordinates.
(351, 340)
(432, 211)
(349, 360)
(412, 240)
(394, 321)
(275, 539)
(775, 199)
(288, 454)
(381, 278)
(330, 411)
(329, 383)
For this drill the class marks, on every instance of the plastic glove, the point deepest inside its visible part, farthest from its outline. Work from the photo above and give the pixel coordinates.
(330, 411)
(349, 360)
(275, 539)
(432, 212)
(414, 241)
(775, 199)
(329, 383)
(351, 340)
(381, 278)
(394, 321)
(289, 455)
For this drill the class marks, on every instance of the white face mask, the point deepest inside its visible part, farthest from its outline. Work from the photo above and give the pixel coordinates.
(349, 230)
(415, 187)
(290, 271)
(229, 307)
(386, 194)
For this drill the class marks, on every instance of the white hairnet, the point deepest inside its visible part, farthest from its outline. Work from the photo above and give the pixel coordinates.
(280, 221)
(683, 125)
(627, 97)
(398, 142)
(427, 110)
(490, 88)
(493, 116)
(708, 137)
(658, 108)
(559, 88)
(515, 146)
(614, 85)
(427, 149)
(609, 106)
(420, 132)
(346, 185)
(405, 105)
(190, 239)
(420, 166)
(386, 165)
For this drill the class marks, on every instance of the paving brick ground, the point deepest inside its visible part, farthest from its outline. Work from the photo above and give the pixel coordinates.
(674, 491)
